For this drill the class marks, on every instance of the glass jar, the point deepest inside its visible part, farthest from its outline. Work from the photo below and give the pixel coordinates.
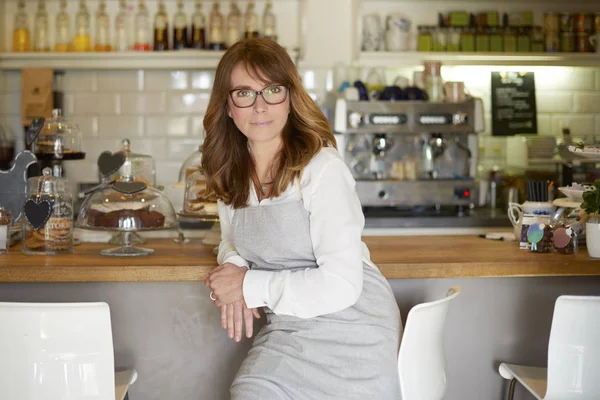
(62, 40)
(199, 27)
(40, 29)
(269, 22)
(21, 38)
(453, 39)
(539, 235)
(197, 200)
(5, 222)
(48, 228)
(82, 41)
(234, 24)
(467, 40)
(59, 139)
(140, 166)
(180, 29)
(482, 40)
(424, 39)
(102, 39)
(440, 38)
(564, 239)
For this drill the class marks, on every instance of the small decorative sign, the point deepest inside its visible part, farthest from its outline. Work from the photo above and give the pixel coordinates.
(513, 103)
(34, 130)
(37, 213)
(109, 163)
(13, 184)
(129, 187)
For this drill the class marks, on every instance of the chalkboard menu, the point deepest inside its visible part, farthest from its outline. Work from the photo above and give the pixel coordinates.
(513, 103)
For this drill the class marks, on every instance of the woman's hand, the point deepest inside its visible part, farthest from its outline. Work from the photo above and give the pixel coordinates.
(234, 316)
(225, 282)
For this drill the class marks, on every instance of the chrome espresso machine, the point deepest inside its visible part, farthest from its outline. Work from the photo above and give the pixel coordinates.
(411, 154)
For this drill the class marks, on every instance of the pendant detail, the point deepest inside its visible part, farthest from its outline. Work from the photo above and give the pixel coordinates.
(263, 187)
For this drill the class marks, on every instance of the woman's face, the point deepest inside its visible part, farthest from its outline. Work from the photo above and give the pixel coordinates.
(261, 122)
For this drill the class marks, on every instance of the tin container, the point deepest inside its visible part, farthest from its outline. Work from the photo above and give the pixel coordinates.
(551, 42)
(551, 22)
(565, 22)
(583, 22)
(582, 43)
(567, 42)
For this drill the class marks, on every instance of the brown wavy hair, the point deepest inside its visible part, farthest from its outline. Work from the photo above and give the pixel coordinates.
(226, 161)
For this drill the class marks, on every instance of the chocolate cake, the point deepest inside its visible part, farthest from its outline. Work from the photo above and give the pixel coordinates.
(131, 215)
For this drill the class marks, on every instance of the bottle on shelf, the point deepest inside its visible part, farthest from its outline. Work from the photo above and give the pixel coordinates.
(102, 39)
(63, 37)
(21, 37)
(161, 28)
(122, 28)
(82, 41)
(234, 24)
(40, 28)
(180, 30)
(198, 28)
(216, 39)
(251, 22)
(269, 22)
(141, 40)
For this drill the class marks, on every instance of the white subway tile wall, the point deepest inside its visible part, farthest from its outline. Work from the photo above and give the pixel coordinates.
(161, 112)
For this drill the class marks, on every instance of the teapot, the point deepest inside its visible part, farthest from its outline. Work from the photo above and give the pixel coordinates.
(517, 212)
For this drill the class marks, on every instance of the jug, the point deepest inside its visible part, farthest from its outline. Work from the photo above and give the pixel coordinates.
(526, 214)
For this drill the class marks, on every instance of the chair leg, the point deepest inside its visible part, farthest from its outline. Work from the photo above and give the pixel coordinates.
(126, 396)
(509, 395)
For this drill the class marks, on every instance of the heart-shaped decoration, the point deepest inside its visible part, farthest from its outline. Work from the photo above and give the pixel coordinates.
(109, 163)
(37, 214)
(129, 187)
(34, 130)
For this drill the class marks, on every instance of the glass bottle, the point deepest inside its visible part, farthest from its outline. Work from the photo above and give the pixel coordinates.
(216, 39)
(40, 28)
(199, 27)
(21, 37)
(141, 40)
(269, 22)
(102, 39)
(251, 22)
(234, 22)
(63, 38)
(82, 41)
(180, 34)
(122, 28)
(161, 28)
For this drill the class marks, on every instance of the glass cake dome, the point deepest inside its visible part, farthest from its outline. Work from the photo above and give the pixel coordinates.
(190, 165)
(127, 206)
(197, 200)
(59, 139)
(141, 166)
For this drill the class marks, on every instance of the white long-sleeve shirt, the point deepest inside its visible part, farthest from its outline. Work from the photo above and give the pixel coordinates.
(336, 223)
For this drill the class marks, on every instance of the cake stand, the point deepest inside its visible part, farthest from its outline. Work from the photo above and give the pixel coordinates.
(127, 248)
(212, 236)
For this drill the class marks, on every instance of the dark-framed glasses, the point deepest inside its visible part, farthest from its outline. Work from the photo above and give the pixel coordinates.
(274, 94)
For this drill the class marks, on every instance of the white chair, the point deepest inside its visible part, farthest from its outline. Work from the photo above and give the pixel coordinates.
(422, 355)
(573, 371)
(59, 351)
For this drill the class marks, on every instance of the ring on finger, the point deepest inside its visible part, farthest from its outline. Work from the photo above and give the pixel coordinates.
(212, 297)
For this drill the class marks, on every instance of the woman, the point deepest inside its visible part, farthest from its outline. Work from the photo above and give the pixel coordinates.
(291, 240)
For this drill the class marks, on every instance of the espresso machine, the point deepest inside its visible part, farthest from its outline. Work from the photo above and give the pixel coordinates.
(411, 154)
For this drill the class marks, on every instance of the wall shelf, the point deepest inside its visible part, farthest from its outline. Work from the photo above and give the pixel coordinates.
(414, 58)
(180, 59)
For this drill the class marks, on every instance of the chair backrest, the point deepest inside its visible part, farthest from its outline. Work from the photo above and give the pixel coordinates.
(574, 349)
(56, 351)
(422, 356)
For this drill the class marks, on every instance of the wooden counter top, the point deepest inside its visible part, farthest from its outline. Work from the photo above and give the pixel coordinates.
(398, 257)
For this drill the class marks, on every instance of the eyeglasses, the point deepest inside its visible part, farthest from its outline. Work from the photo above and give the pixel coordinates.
(244, 98)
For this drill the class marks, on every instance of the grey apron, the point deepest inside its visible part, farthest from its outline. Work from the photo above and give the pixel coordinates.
(350, 354)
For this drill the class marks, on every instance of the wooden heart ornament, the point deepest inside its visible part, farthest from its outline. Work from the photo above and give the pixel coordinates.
(129, 187)
(37, 213)
(109, 163)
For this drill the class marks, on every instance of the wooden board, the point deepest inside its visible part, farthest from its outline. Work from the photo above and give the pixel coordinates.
(398, 257)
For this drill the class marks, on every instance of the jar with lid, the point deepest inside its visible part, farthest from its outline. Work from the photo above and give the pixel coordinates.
(440, 39)
(139, 166)
(48, 210)
(509, 40)
(424, 39)
(59, 139)
(5, 222)
(467, 40)
(482, 40)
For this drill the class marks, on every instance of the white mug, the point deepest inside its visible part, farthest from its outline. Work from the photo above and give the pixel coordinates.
(595, 41)
(372, 33)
